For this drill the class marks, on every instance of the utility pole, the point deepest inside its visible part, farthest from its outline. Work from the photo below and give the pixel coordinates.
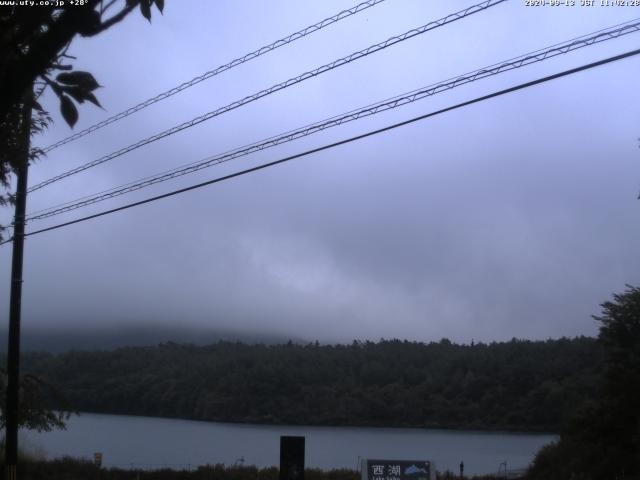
(13, 352)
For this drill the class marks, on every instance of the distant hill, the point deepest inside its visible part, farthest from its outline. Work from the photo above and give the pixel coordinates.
(516, 385)
(62, 339)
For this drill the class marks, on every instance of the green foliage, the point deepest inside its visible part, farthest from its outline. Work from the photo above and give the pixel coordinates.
(602, 440)
(42, 407)
(519, 385)
(68, 110)
(67, 468)
(34, 41)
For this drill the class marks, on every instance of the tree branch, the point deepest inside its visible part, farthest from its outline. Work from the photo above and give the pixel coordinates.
(118, 17)
(107, 6)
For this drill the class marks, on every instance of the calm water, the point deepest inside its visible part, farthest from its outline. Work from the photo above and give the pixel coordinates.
(144, 442)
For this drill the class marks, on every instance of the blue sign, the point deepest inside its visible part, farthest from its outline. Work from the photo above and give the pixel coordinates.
(397, 470)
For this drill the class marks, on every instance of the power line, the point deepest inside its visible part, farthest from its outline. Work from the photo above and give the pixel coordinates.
(280, 86)
(495, 69)
(222, 68)
(343, 142)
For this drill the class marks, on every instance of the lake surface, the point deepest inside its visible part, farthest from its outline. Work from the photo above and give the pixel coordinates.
(145, 442)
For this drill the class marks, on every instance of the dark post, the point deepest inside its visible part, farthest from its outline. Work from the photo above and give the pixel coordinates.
(291, 458)
(461, 469)
(13, 353)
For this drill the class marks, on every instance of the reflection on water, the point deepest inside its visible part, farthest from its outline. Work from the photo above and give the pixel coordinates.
(144, 442)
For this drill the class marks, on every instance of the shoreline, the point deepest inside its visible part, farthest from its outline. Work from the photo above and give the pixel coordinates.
(445, 429)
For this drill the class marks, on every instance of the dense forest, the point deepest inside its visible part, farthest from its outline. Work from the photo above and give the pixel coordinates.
(519, 385)
(600, 440)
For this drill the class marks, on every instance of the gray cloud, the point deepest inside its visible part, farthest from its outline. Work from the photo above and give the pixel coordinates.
(515, 217)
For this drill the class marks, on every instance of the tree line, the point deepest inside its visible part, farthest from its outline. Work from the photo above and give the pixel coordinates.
(515, 385)
(600, 438)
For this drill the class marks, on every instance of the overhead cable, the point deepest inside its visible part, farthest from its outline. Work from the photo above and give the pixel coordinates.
(280, 86)
(341, 142)
(216, 71)
(410, 97)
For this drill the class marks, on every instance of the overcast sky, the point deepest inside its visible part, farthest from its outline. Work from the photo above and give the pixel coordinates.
(515, 217)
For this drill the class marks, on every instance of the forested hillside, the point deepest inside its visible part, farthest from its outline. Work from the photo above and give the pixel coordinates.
(513, 385)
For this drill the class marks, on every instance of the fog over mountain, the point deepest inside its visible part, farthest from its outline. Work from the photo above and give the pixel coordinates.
(515, 217)
(103, 337)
